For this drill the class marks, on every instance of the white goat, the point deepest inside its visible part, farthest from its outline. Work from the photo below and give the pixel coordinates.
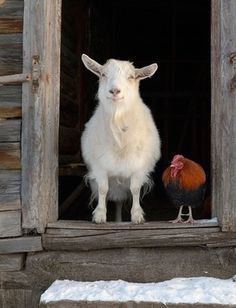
(120, 144)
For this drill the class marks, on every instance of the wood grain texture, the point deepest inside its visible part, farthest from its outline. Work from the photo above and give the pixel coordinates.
(18, 298)
(127, 304)
(20, 244)
(107, 239)
(10, 111)
(10, 181)
(16, 280)
(41, 114)
(10, 25)
(223, 124)
(156, 225)
(10, 201)
(11, 16)
(10, 101)
(10, 223)
(10, 54)
(10, 94)
(10, 156)
(15, 78)
(12, 262)
(10, 130)
(132, 264)
(11, 8)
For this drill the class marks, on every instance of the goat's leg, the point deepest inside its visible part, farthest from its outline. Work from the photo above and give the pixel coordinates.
(118, 213)
(137, 214)
(100, 212)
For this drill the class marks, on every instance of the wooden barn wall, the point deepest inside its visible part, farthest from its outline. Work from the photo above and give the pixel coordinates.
(11, 27)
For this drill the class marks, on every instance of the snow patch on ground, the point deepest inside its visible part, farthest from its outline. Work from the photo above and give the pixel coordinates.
(205, 290)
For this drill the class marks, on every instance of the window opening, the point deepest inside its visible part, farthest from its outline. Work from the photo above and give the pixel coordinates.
(176, 35)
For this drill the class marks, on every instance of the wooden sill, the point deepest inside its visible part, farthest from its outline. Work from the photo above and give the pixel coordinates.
(86, 225)
(81, 235)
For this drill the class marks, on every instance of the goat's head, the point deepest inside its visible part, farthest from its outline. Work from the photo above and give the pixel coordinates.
(118, 80)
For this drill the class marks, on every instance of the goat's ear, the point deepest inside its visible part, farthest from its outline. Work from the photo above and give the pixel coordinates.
(91, 65)
(146, 71)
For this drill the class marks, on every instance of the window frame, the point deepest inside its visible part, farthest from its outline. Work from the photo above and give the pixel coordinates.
(40, 126)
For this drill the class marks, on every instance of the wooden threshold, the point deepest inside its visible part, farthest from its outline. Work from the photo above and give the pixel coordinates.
(81, 235)
(86, 225)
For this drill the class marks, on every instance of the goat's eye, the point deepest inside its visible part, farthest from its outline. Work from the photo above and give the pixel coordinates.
(103, 75)
(131, 77)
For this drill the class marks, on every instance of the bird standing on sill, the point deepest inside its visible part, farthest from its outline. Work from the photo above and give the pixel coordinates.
(185, 184)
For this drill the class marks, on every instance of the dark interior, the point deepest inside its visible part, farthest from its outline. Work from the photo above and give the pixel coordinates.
(176, 35)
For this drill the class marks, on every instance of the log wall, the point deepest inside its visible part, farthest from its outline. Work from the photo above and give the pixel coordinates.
(11, 27)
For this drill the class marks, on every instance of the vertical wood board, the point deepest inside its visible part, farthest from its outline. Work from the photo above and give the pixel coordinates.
(223, 113)
(40, 112)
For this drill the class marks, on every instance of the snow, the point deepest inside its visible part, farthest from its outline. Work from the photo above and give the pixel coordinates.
(205, 290)
(203, 221)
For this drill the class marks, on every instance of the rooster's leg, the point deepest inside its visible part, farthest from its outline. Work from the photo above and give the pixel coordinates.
(179, 217)
(190, 216)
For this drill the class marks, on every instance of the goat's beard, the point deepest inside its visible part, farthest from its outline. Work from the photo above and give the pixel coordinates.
(117, 123)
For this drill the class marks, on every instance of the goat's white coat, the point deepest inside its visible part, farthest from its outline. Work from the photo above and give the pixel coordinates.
(120, 144)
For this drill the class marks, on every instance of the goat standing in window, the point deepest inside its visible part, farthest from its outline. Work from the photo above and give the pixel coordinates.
(120, 143)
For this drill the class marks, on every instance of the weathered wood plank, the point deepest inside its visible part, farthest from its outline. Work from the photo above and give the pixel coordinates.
(127, 304)
(10, 130)
(11, 94)
(11, 8)
(20, 244)
(12, 262)
(10, 110)
(223, 123)
(11, 25)
(16, 280)
(19, 298)
(11, 40)
(10, 54)
(98, 232)
(10, 201)
(137, 238)
(10, 156)
(10, 223)
(10, 101)
(41, 114)
(137, 265)
(85, 225)
(10, 181)
(15, 78)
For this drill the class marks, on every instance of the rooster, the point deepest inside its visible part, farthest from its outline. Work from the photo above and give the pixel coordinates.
(185, 184)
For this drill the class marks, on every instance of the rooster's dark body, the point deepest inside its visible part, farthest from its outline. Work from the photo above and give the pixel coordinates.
(185, 184)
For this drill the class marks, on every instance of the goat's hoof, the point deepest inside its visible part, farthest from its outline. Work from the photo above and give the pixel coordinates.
(137, 218)
(99, 216)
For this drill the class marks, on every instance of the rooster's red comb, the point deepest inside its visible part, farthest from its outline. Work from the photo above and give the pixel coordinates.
(177, 157)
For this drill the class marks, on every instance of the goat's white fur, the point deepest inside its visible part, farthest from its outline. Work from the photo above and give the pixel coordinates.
(120, 143)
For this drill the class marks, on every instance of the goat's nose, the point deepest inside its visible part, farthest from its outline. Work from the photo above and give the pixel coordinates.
(114, 91)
